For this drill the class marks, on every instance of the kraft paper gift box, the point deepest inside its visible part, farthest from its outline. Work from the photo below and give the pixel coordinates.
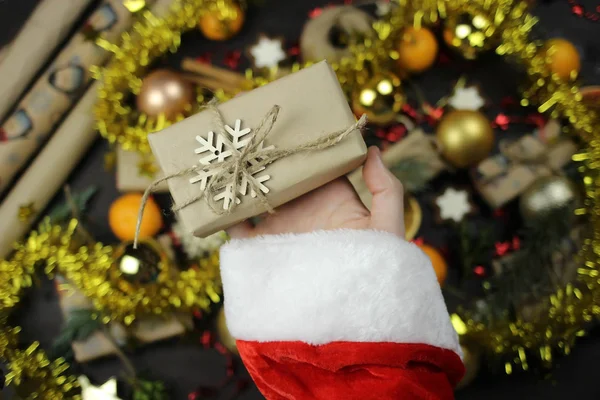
(312, 105)
(505, 176)
(131, 175)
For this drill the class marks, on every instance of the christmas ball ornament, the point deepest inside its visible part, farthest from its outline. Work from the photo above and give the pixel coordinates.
(327, 36)
(223, 332)
(165, 92)
(562, 58)
(137, 268)
(380, 99)
(469, 34)
(123, 214)
(546, 195)
(437, 261)
(412, 217)
(472, 362)
(417, 49)
(222, 22)
(591, 97)
(465, 137)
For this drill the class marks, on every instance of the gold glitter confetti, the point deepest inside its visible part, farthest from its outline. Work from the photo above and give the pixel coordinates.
(26, 212)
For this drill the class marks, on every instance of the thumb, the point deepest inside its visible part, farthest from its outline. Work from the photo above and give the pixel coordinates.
(387, 208)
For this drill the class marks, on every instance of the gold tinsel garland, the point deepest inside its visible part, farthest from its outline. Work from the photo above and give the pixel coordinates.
(511, 341)
(87, 267)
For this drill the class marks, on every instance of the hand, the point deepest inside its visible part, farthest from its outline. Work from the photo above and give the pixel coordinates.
(337, 206)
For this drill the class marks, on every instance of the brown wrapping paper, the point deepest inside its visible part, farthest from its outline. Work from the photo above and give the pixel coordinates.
(58, 88)
(417, 145)
(503, 177)
(98, 344)
(130, 175)
(47, 26)
(52, 166)
(48, 171)
(3, 52)
(312, 104)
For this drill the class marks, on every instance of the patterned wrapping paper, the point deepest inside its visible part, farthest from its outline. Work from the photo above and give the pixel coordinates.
(58, 88)
(502, 178)
(47, 26)
(98, 345)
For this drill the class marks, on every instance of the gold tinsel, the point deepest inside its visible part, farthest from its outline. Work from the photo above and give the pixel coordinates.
(511, 341)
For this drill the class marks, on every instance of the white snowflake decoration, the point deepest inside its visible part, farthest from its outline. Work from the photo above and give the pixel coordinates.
(267, 52)
(214, 149)
(454, 204)
(467, 98)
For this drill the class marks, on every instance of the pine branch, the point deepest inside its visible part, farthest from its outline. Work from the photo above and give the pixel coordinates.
(413, 173)
(80, 325)
(80, 200)
(149, 390)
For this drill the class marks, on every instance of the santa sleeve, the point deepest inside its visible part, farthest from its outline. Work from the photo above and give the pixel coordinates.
(339, 315)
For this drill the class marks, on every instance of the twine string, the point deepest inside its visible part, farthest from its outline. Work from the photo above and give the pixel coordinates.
(242, 164)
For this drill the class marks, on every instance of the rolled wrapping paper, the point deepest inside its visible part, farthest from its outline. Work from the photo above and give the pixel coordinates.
(3, 52)
(58, 88)
(47, 26)
(48, 171)
(52, 166)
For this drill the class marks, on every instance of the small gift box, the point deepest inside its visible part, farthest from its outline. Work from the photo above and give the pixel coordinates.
(259, 150)
(505, 176)
(136, 171)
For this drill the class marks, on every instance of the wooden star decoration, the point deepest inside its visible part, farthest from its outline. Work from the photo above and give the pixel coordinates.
(454, 205)
(106, 391)
(267, 52)
(26, 212)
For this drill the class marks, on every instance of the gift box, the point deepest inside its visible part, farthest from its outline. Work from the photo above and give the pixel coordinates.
(297, 111)
(136, 171)
(503, 177)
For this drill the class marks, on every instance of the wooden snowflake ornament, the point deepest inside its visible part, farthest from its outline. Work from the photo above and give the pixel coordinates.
(215, 149)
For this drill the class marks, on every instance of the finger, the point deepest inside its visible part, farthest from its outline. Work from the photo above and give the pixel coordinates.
(387, 208)
(242, 230)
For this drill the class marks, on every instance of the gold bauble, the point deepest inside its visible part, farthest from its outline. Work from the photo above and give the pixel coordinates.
(472, 362)
(141, 267)
(380, 99)
(412, 217)
(165, 92)
(546, 195)
(465, 137)
(223, 333)
(470, 34)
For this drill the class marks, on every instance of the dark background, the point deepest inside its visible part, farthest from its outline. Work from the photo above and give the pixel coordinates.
(186, 365)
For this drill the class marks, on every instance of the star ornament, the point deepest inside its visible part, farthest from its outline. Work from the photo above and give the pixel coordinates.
(267, 52)
(107, 391)
(454, 205)
(466, 98)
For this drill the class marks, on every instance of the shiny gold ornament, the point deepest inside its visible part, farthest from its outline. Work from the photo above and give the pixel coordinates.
(165, 93)
(380, 98)
(135, 268)
(222, 21)
(223, 333)
(465, 137)
(472, 362)
(546, 195)
(470, 34)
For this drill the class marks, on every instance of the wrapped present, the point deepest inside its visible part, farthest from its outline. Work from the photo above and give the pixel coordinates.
(503, 177)
(417, 146)
(136, 171)
(260, 150)
(146, 330)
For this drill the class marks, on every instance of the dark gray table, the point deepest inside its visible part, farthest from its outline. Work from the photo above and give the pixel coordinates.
(187, 365)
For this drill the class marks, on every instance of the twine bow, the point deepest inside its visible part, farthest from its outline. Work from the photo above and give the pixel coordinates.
(243, 163)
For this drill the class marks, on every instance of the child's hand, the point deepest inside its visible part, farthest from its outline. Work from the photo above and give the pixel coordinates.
(337, 206)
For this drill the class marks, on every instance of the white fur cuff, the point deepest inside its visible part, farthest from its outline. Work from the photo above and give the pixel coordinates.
(345, 285)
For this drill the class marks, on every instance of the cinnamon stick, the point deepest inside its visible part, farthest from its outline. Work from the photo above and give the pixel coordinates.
(216, 73)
